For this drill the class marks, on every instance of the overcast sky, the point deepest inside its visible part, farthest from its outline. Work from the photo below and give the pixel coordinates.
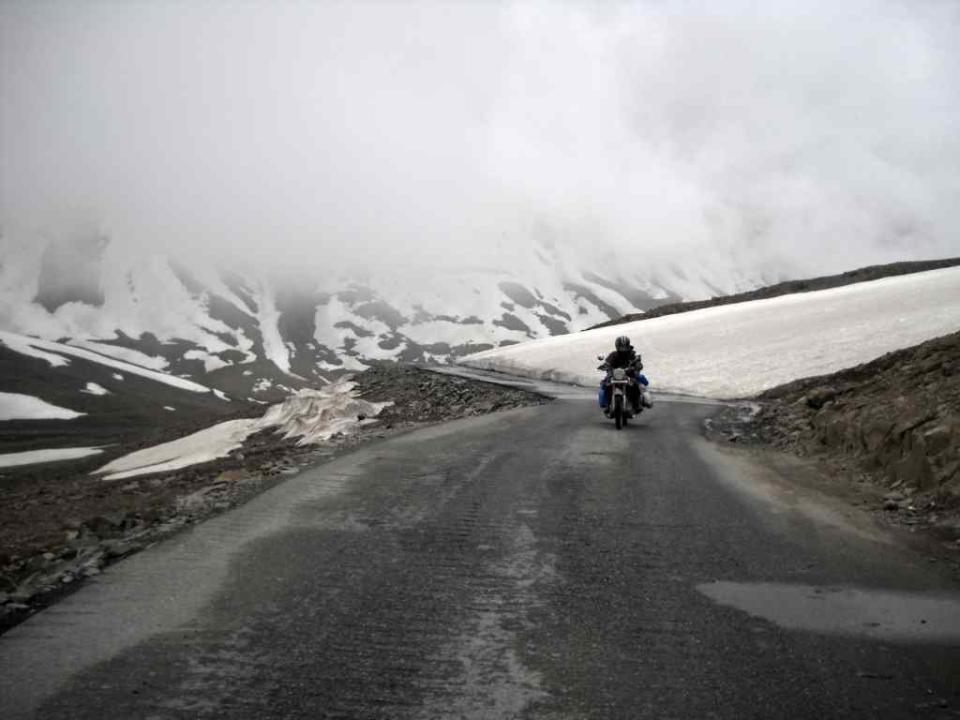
(812, 134)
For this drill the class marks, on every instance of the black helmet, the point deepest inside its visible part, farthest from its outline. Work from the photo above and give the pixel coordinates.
(622, 343)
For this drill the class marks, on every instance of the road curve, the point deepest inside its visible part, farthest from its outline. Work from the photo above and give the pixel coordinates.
(530, 564)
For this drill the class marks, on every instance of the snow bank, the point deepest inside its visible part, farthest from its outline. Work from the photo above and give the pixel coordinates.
(318, 415)
(312, 415)
(14, 406)
(743, 349)
(35, 457)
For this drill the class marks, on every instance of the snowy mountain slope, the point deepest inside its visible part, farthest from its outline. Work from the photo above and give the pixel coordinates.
(740, 350)
(261, 337)
(99, 401)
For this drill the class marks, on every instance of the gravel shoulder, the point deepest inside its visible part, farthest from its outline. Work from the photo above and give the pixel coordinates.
(885, 434)
(59, 525)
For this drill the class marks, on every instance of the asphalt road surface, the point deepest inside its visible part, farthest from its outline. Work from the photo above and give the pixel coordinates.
(529, 564)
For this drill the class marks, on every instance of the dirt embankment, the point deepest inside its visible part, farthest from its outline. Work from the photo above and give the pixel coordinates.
(874, 272)
(893, 422)
(59, 525)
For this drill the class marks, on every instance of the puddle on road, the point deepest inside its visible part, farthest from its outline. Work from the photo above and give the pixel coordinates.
(880, 614)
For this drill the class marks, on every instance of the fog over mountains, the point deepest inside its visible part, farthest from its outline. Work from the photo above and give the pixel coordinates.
(253, 332)
(311, 185)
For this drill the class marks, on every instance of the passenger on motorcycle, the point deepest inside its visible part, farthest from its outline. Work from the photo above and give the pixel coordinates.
(624, 356)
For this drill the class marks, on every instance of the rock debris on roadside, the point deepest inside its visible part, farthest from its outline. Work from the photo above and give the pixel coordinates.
(893, 423)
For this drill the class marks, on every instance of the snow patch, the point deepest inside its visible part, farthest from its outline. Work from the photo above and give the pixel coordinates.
(269, 317)
(35, 457)
(262, 385)
(93, 389)
(14, 406)
(740, 350)
(208, 444)
(311, 415)
(210, 362)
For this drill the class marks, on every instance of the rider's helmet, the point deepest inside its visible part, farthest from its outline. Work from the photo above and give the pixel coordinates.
(622, 343)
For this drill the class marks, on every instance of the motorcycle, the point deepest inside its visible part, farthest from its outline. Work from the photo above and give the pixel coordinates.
(621, 383)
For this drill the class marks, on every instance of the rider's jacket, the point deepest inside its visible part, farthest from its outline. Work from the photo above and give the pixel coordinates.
(624, 359)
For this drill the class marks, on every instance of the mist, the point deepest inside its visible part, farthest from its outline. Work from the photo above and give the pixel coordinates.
(795, 137)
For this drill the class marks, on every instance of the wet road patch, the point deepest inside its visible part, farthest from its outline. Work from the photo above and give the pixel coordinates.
(927, 617)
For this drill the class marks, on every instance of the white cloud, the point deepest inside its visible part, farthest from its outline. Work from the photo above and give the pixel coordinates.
(800, 136)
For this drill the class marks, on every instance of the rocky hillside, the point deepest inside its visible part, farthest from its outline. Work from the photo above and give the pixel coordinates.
(897, 418)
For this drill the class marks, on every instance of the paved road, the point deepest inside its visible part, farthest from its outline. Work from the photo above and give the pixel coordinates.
(530, 564)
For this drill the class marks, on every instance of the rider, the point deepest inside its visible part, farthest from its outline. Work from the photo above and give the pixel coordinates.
(624, 356)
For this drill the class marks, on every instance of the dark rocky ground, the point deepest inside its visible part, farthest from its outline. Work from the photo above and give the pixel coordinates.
(59, 525)
(874, 272)
(890, 428)
(422, 396)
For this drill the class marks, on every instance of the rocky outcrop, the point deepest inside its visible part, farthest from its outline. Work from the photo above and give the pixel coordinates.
(898, 417)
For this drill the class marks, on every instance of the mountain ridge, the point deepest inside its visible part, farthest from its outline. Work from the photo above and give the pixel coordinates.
(258, 336)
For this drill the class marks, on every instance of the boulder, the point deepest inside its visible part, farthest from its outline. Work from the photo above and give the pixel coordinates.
(820, 396)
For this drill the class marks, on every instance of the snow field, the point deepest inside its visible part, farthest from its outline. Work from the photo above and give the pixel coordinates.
(740, 350)
(140, 294)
